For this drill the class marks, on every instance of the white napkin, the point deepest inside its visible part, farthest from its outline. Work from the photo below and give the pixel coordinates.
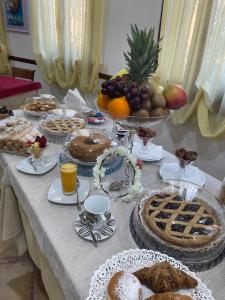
(74, 100)
(152, 152)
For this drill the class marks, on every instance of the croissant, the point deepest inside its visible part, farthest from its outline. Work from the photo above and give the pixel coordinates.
(162, 277)
(169, 296)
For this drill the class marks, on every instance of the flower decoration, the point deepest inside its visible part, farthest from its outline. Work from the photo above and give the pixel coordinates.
(42, 141)
(99, 171)
(139, 163)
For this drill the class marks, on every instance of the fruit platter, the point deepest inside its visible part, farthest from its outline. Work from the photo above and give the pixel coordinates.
(130, 98)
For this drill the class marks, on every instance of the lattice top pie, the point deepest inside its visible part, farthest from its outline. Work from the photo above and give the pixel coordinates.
(63, 125)
(181, 222)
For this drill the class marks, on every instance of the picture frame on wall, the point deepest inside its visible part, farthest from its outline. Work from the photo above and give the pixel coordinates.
(15, 14)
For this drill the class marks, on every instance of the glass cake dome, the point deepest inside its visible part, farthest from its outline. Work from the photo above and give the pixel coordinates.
(181, 219)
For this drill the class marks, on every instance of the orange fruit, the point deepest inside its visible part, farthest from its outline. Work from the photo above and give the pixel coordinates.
(103, 101)
(119, 108)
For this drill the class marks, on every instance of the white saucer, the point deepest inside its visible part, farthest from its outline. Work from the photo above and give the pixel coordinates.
(25, 167)
(192, 174)
(55, 193)
(152, 153)
(101, 234)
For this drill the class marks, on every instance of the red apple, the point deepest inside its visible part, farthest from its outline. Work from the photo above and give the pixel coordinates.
(175, 96)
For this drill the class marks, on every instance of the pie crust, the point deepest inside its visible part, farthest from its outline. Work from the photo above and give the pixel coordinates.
(181, 222)
(64, 126)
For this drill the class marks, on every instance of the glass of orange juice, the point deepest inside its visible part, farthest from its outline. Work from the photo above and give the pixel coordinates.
(68, 172)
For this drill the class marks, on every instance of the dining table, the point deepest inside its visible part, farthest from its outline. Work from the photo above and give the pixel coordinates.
(68, 262)
(14, 91)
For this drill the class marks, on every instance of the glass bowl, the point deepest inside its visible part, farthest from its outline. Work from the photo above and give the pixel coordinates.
(132, 122)
(188, 253)
(39, 106)
(88, 155)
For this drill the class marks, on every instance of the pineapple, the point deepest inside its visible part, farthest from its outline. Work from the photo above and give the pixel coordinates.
(142, 59)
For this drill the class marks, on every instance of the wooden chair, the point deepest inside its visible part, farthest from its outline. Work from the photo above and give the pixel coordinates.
(23, 73)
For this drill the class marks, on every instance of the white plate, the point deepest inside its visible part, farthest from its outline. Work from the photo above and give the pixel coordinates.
(55, 193)
(133, 260)
(101, 234)
(192, 174)
(25, 167)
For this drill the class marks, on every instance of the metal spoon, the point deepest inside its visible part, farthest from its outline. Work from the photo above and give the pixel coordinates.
(31, 162)
(85, 220)
(78, 201)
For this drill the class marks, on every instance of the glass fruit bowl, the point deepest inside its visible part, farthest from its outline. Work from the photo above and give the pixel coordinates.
(132, 123)
(84, 145)
(183, 220)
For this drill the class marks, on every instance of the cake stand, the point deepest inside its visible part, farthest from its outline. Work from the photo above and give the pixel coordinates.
(85, 168)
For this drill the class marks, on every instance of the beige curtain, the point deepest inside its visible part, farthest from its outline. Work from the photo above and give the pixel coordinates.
(67, 40)
(4, 62)
(193, 55)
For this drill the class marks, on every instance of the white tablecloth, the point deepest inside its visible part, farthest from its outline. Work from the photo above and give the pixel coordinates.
(71, 259)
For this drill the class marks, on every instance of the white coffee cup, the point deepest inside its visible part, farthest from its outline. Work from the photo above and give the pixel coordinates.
(97, 205)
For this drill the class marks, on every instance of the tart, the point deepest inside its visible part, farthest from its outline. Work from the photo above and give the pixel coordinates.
(63, 126)
(179, 221)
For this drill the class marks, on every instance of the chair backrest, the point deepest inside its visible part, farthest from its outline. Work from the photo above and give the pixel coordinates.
(23, 73)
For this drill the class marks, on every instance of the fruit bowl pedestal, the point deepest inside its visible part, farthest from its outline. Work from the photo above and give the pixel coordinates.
(132, 123)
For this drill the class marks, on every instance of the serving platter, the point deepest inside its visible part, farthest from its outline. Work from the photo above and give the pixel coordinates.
(133, 260)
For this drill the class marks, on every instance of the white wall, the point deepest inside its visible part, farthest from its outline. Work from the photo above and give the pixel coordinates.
(122, 13)
(20, 44)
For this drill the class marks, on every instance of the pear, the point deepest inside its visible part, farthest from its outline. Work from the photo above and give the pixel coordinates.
(142, 113)
(158, 100)
(147, 105)
(158, 112)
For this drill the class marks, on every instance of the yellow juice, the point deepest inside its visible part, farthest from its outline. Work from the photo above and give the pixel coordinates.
(68, 172)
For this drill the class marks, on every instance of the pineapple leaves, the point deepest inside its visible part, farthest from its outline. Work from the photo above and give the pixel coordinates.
(142, 58)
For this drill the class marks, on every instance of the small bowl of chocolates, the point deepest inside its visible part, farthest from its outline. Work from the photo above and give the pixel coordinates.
(5, 112)
(146, 135)
(185, 157)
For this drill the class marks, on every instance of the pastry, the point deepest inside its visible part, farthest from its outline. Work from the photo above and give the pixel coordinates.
(39, 106)
(181, 222)
(169, 296)
(87, 148)
(63, 126)
(124, 286)
(15, 134)
(163, 277)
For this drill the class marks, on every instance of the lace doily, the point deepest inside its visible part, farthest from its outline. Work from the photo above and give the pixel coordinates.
(132, 260)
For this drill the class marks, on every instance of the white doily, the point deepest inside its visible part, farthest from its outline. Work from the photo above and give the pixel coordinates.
(132, 260)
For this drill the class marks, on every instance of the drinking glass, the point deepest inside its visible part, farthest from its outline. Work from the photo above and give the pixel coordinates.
(68, 172)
